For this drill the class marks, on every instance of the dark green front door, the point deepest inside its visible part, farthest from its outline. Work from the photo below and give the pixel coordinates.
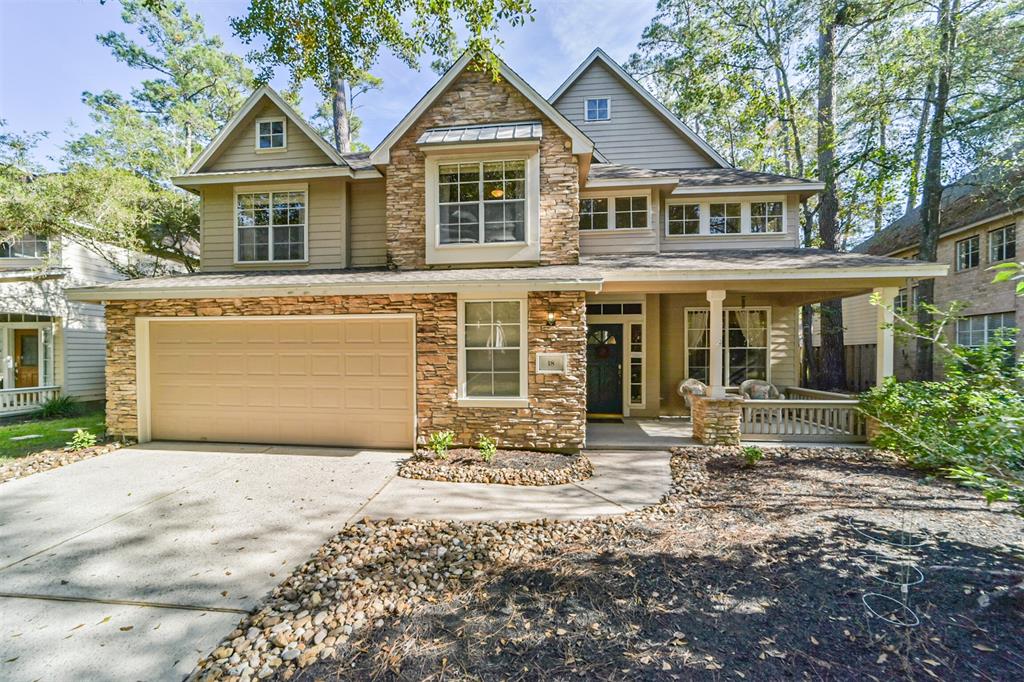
(604, 369)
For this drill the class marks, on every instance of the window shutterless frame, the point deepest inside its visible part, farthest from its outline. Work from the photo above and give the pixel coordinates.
(616, 222)
(1002, 243)
(269, 121)
(968, 253)
(726, 369)
(764, 214)
(521, 400)
(269, 189)
(602, 106)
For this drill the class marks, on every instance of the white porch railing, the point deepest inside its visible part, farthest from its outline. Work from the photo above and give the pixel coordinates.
(828, 421)
(798, 393)
(25, 400)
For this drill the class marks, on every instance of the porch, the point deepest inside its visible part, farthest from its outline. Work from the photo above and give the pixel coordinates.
(29, 367)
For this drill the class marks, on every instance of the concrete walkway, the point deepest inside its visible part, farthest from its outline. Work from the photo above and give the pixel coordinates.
(623, 481)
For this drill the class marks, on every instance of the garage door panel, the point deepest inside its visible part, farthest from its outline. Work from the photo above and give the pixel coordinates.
(318, 382)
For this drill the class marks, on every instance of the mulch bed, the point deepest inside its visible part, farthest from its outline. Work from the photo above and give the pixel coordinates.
(508, 467)
(760, 577)
(51, 459)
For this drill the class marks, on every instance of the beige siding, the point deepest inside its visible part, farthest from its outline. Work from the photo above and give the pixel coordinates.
(595, 242)
(367, 229)
(325, 217)
(788, 239)
(636, 134)
(239, 151)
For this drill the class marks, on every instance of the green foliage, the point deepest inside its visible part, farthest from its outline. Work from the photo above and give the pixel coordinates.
(488, 448)
(61, 406)
(752, 455)
(1010, 272)
(81, 440)
(969, 427)
(440, 442)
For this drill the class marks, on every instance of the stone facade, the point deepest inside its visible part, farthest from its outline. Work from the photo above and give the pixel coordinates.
(554, 420)
(475, 98)
(716, 421)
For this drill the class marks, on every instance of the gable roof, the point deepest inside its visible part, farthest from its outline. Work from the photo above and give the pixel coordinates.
(250, 104)
(985, 194)
(600, 55)
(581, 144)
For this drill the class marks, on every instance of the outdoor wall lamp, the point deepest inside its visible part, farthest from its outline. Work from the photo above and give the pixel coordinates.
(551, 318)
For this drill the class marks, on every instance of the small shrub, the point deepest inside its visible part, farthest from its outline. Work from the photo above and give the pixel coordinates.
(81, 440)
(752, 455)
(488, 448)
(61, 406)
(440, 442)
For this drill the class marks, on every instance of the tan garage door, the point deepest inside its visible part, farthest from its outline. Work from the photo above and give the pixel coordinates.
(337, 381)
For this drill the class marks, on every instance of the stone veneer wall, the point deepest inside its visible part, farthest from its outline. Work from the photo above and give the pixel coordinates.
(554, 420)
(474, 98)
(716, 421)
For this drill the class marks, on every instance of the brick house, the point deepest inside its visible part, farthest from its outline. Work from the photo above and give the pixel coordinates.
(500, 264)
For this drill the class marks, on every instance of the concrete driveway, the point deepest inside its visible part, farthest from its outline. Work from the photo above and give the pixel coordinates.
(132, 565)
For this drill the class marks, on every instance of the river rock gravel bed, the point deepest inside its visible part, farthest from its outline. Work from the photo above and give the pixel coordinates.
(50, 459)
(509, 467)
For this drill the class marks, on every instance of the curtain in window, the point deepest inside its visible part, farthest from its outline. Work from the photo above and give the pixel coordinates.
(697, 329)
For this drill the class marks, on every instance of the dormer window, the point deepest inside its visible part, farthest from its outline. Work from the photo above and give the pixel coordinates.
(271, 134)
(597, 109)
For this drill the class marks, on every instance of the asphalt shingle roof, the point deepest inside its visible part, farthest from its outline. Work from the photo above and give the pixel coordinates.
(732, 259)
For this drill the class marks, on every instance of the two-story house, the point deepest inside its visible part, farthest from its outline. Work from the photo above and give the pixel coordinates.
(500, 264)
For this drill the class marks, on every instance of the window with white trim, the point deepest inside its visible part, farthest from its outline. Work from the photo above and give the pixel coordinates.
(745, 344)
(725, 218)
(630, 212)
(270, 226)
(270, 134)
(765, 217)
(25, 246)
(683, 219)
(1002, 244)
(494, 337)
(636, 363)
(594, 214)
(597, 109)
(977, 330)
(482, 202)
(968, 253)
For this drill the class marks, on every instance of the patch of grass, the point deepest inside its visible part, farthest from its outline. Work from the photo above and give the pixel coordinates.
(50, 430)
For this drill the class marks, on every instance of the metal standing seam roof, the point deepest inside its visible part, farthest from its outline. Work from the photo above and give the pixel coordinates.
(497, 132)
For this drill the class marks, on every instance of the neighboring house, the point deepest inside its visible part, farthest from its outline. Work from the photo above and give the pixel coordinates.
(982, 217)
(49, 345)
(500, 264)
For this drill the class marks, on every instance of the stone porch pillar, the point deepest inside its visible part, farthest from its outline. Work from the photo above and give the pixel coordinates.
(885, 344)
(716, 382)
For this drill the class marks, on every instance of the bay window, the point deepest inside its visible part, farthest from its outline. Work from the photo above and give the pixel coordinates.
(745, 344)
(270, 226)
(493, 343)
(482, 202)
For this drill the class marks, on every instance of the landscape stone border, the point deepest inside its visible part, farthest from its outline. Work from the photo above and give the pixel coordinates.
(423, 466)
(51, 459)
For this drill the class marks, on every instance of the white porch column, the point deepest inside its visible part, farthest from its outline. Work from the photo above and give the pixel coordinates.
(716, 382)
(885, 346)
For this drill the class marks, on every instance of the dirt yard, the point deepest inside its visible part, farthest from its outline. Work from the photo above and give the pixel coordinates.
(762, 578)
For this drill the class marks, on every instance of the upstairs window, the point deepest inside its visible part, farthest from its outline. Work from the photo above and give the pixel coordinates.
(270, 226)
(25, 246)
(597, 109)
(270, 134)
(630, 212)
(968, 253)
(684, 219)
(1002, 244)
(593, 214)
(763, 216)
(977, 330)
(482, 202)
(725, 218)
(766, 216)
(613, 213)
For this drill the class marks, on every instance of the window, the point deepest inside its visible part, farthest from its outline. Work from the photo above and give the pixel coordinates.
(597, 109)
(615, 309)
(968, 253)
(271, 226)
(745, 345)
(493, 340)
(899, 304)
(636, 364)
(1002, 244)
(26, 246)
(978, 330)
(684, 219)
(725, 218)
(270, 134)
(766, 216)
(630, 212)
(482, 202)
(593, 214)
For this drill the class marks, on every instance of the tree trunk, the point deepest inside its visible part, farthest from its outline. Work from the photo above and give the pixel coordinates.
(340, 111)
(833, 365)
(883, 172)
(931, 199)
(810, 369)
(922, 131)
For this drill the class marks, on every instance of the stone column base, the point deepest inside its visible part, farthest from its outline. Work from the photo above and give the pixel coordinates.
(716, 421)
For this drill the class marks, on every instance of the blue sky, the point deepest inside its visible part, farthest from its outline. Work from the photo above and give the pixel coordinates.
(49, 56)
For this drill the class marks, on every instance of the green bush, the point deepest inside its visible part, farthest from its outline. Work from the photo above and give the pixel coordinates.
(61, 406)
(752, 455)
(440, 442)
(81, 440)
(488, 448)
(969, 427)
